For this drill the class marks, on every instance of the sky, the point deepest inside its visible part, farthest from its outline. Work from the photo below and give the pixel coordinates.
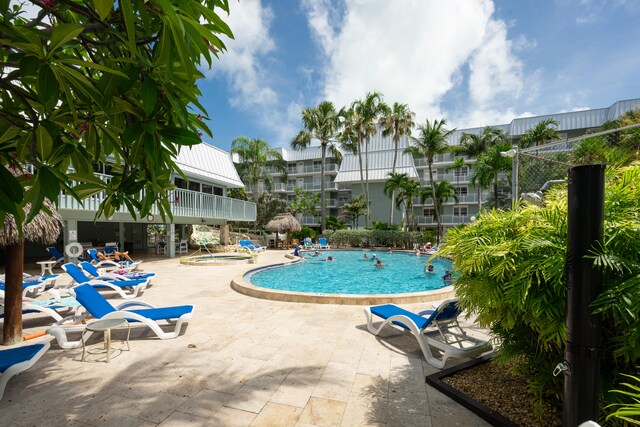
(473, 62)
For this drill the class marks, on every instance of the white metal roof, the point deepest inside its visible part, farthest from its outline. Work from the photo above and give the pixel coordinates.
(210, 164)
(380, 164)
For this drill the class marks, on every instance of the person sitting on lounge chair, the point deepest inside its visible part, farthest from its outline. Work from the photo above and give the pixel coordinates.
(116, 256)
(379, 263)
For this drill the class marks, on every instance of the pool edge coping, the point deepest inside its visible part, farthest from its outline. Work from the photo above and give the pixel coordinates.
(240, 285)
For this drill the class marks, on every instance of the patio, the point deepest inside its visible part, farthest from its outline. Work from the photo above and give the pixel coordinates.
(242, 361)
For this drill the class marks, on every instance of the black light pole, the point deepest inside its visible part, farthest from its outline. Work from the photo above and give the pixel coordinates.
(584, 330)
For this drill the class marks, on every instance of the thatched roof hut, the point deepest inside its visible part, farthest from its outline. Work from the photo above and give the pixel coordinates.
(283, 223)
(44, 228)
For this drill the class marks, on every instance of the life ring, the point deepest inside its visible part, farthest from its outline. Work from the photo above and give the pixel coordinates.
(73, 250)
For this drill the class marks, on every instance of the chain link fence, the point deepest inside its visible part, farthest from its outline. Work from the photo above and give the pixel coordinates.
(536, 169)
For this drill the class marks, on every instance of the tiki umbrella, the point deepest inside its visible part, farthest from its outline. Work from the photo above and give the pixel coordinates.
(44, 228)
(284, 222)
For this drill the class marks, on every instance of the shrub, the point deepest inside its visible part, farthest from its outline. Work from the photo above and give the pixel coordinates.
(304, 232)
(368, 238)
(512, 273)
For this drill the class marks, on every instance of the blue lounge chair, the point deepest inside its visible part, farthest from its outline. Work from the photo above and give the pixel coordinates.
(98, 307)
(126, 288)
(322, 243)
(250, 247)
(256, 246)
(32, 285)
(56, 255)
(446, 334)
(15, 360)
(95, 274)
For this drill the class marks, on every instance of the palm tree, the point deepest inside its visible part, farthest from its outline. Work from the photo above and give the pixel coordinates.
(396, 121)
(489, 166)
(473, 145)
(349, 138)
(255, 157)
(406, 193)
(394, 182)
(368, 112)
(431, 140)
(321, 123)
(444, 191)
(543, 132)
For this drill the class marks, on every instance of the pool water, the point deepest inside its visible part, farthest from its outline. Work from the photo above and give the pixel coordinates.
(349, 273)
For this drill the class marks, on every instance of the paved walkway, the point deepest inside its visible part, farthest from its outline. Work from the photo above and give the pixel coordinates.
(241, 362)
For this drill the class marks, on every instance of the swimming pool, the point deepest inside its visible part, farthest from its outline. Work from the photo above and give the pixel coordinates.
(349, 273)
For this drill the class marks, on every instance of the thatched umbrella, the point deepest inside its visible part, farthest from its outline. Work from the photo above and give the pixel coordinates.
(44, 228)
(283, 222)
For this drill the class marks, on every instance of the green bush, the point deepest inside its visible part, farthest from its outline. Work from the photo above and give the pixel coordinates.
(512, 268)
(369, 238)
(304, 232)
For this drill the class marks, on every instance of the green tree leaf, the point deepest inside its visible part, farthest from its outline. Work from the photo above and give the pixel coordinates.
(103, 7)
(48, 88)
(149, 95)
(61, 34)
(180, 136)
(44, 142)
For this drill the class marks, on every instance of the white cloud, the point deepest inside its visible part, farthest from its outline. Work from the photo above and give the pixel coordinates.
(417, 51)
(250, 21)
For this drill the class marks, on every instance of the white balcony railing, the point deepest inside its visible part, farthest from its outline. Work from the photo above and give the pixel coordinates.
(184, 203)
(444, 219)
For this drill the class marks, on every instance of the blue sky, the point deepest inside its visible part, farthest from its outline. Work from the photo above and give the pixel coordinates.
(474, 62)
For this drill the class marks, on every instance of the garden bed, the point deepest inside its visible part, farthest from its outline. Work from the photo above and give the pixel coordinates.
(496, 395)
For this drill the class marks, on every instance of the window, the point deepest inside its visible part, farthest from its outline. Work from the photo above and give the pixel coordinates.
(316, 165)
(194, 186)
(181, 183)
(463, 171)
(429, 212)
(462, 191)
(459, 211)
(218, 191)
(207, 189)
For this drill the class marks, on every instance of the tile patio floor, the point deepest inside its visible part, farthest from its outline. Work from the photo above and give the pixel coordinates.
(241, 362)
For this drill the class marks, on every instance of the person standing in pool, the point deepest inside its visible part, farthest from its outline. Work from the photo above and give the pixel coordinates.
(379, 263)
(447, 278)
(429, 269)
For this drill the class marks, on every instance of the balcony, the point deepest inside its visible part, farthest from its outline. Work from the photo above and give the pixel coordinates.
(308, 169)
(185, 204)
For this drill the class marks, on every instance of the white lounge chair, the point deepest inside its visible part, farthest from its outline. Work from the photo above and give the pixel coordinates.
(14, 361)
(446, 335)
(98, 307)
(51, 307)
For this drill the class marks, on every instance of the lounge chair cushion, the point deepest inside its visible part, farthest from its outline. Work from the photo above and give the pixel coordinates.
(387, 310)
(163, 313)
(13, 356)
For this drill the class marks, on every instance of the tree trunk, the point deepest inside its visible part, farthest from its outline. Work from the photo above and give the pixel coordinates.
(361, 177)
(435, 199)
(323, 212)
(366, 177)
(393, 170)
(495, 192)
(14, 258)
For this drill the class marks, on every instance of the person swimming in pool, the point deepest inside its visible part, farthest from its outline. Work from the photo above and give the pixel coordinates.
(379, 263)
(365, 256)
(329, 258)
(447, 278)
(429, 268)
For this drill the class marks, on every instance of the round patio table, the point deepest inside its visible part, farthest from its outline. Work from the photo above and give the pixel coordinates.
(106, 326)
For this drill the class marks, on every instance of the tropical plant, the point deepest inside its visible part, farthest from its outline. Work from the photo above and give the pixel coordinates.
(84, 83)
(473, 145)
(431, 140)
(397, 122)
(512, 267)
(367, 113)
(304, 233)
(543, 132)
(489, 167)
(304, 202)
(444, 191)
(629, 411)
(379, 225)
(350, 138)
(237, 193)
(268, 205)
(354, 209)
(256, 156)
(321, 123)
(394, 182)
(334, 223)
(407, 192)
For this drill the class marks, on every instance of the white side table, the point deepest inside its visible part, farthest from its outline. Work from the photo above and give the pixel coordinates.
(105, 326)
(46, 267)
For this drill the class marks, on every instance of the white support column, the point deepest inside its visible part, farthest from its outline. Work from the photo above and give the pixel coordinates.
(171, 231)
